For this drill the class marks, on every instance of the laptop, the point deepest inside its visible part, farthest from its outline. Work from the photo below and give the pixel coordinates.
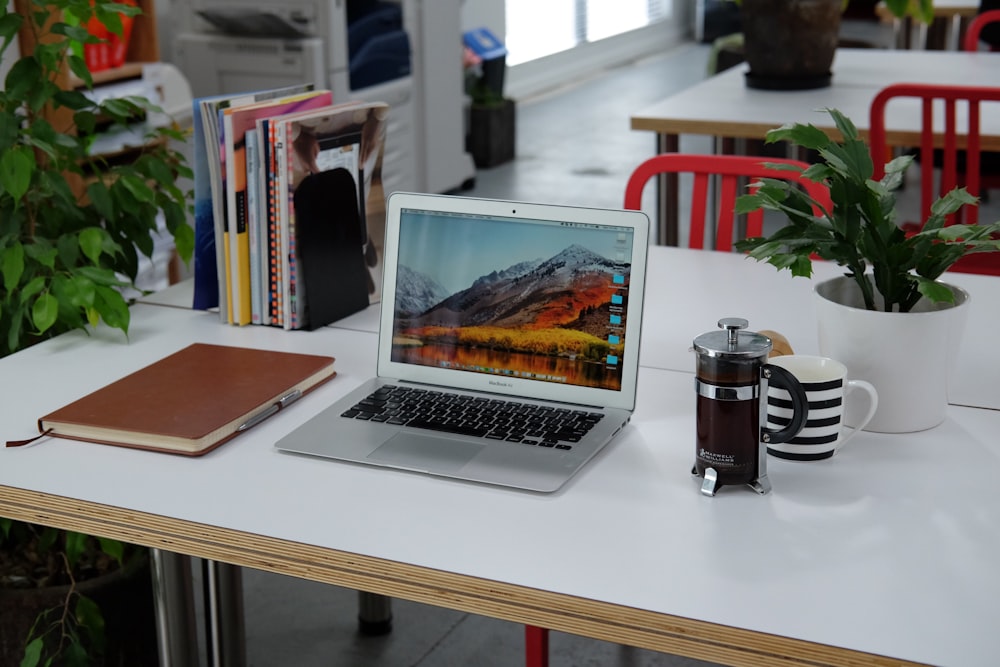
(508, 343)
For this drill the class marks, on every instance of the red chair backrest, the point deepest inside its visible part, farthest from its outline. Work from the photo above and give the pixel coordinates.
(935, 98)
(729, 169)
(976, 25)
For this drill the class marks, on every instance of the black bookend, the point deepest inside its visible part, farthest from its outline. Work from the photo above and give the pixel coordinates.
(333, 276)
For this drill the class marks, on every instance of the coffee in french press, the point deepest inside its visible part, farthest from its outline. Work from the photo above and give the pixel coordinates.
(731, 376)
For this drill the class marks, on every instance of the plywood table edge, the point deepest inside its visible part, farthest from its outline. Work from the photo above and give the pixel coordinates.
(600, 620)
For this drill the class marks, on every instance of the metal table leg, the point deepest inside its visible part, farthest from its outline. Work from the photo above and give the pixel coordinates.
(224, 631)
(374, 614)
(174, 600)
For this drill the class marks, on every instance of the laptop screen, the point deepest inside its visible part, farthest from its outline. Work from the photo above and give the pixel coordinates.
(518, 298)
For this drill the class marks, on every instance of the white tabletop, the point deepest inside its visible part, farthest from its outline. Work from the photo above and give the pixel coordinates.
(725, 106)
(888, 548)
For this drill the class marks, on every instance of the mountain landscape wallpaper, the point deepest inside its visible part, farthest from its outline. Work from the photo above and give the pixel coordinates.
(559, 317)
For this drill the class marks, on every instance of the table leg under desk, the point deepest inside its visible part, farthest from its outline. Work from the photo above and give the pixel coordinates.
(666, 195)
(224, 629)
(374, 614)
(173, 597)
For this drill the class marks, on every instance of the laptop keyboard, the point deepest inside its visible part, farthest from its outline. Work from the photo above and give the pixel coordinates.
(494, 419)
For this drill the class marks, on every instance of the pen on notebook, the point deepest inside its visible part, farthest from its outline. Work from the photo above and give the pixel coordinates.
(282, 402)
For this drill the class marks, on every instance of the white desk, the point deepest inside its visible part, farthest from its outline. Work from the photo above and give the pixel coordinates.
(723, 105)
(888, 549)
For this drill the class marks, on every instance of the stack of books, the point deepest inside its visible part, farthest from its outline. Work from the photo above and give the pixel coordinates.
(288, 206)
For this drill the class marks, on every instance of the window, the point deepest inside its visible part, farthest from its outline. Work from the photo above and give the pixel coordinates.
(536, 29)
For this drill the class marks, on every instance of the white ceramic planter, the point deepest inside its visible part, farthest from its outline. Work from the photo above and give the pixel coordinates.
(906, 356)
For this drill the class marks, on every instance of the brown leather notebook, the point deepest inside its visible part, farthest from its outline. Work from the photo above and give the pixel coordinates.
(191, 401)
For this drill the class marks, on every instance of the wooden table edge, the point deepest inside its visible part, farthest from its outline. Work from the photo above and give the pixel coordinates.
(599, 620)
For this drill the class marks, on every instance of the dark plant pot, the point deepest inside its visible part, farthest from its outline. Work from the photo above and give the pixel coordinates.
(125, 598)
(790, 44)
(492, 134)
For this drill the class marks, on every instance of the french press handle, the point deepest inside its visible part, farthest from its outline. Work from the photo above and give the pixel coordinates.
(782, 379)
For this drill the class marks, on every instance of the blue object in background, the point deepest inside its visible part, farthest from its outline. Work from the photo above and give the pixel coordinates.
(484, 44)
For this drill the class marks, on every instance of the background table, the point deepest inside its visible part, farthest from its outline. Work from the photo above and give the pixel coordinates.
(950, 13)
(723, 105)
(888, 549)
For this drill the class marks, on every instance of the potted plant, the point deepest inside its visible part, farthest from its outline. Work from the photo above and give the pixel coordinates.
(799, 55)
(889, 318)
(491, 134)
(72, 227)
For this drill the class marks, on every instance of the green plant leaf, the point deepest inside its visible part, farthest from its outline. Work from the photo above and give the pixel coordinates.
(34, 286)
(100, 197)
(10, 24)
(76, 545)
(113, 548)
(88, 616)
(92, 243)
(75, 655)
(42, 252)
(75, 290)
(23, 75)
(184, 241)
(844, 125)
(16, 167)
(101, 276)
(807, 136)
(44, 312)
(47, 539)
(12, 265)
(138, 187)
(33, 652)
(113, 308)
(934, 290)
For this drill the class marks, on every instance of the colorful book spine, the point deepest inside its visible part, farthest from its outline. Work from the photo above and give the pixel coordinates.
(276, 289)
(253, 232)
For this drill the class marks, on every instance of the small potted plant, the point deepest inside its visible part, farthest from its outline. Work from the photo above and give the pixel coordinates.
(73, 225)
(889, 318)
(491, 136)
(791, 44)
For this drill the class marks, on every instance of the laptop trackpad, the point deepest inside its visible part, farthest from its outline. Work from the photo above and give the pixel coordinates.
(419, 452)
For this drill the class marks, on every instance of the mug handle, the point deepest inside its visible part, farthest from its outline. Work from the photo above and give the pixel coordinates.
(782, 379)
(872, 407)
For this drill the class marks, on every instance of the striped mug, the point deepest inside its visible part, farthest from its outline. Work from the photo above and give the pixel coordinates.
(826, 384)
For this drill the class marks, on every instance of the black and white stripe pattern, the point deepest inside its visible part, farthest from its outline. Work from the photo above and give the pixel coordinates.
(818, 438)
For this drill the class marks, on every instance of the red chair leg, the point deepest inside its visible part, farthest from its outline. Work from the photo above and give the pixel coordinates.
(536, 646)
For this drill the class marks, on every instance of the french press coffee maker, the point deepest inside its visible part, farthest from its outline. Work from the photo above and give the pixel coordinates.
(731, 377)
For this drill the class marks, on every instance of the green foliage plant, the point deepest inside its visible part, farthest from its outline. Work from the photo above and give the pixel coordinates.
(66, 252)
(861, 233)
(31, 556)
(922, 10)
(72, 227)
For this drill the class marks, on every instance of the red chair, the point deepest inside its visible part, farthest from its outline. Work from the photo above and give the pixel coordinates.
(729, 169)
(971, 40)
(957, 152)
